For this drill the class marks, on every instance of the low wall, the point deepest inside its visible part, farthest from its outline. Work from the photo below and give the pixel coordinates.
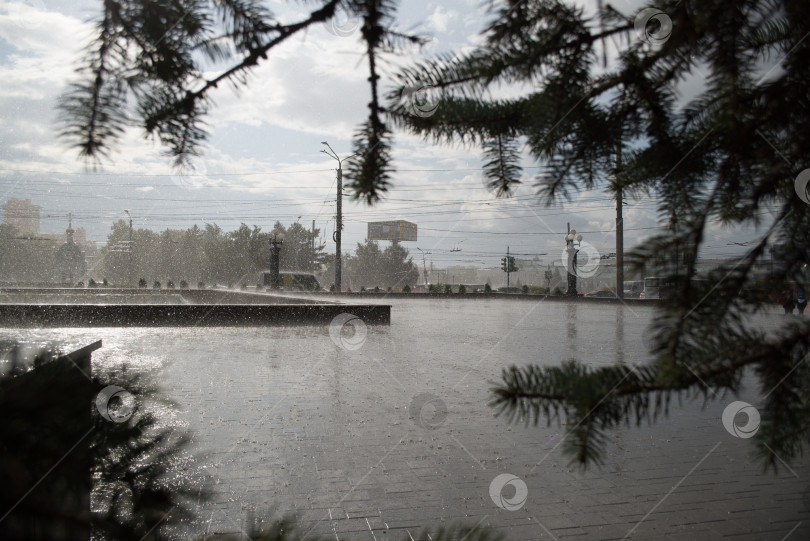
(91, 307)
(190, 315)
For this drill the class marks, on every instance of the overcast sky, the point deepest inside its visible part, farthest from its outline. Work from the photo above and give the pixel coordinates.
(262, 162)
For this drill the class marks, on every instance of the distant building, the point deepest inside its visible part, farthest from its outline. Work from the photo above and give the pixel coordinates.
(79, 236)
(22, 215)
(70, 265)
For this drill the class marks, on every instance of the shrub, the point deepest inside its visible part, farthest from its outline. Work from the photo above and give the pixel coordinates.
(105, 282)
(200, 285)
(230, 285)
(462, 289)
(142, 283)
(332, 288)
(183, 284)
(80, 284)
(525, 289)
(362, 290)
(169, 285)
(156, 285)
(406, 289)
(557, 291)
(243, 286)
(377, 289)
(259, 286)
(487, 288)
(91, 283)
(448, 288)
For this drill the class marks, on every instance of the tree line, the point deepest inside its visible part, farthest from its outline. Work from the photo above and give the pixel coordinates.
(209, 255)
(213, 256)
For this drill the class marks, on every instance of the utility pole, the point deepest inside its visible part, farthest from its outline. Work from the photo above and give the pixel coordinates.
(508, 268)
(339, 218)
(312, 259)
(619, 226)
(130, 247)
(424, 266)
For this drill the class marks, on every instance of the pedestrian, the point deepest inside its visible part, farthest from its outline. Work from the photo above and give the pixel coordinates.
(787, 301)
(801, 302)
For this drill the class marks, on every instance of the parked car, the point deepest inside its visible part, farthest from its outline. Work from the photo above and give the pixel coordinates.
(299, 281)
(602, 294)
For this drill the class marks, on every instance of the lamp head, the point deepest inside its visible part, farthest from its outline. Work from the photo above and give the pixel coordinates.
(579, 238)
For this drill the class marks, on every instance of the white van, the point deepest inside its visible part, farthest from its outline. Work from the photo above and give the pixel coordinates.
(653, 287)
(633, 288)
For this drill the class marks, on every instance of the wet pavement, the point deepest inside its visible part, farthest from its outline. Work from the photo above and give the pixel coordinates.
(373, 434)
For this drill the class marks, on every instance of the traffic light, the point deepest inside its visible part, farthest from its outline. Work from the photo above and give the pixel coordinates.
(512, 266)
(503, 265)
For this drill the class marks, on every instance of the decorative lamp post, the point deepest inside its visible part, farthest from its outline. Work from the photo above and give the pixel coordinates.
(572, 252)
(276, 240)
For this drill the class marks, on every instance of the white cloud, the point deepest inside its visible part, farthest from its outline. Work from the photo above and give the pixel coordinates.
(441, 18)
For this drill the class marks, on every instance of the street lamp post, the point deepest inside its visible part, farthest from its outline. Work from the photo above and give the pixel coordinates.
(276, 240)
(424, 266)
(130, 247)
(339, 211)
(572, 260)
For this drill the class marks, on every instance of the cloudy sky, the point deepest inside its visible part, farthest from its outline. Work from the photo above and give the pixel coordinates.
(263, 160)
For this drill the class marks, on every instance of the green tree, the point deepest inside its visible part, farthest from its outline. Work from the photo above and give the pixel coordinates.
(363, 268)
(301, 250)
(729, 155)
(397, 268)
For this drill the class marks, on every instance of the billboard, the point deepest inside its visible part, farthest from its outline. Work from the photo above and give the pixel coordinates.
(397, 230)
